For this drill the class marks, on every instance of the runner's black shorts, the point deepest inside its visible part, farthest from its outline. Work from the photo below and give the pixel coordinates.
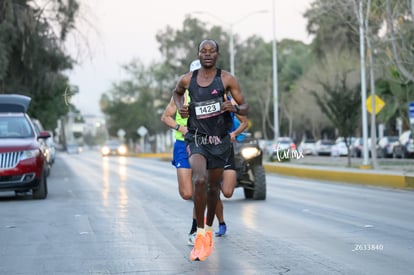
(230, 164)
(215, 149)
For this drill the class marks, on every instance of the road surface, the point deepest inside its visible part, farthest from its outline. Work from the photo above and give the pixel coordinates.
(117, 215)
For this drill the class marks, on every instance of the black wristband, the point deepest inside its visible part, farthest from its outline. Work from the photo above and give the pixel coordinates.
(237, 108)
(177, 127)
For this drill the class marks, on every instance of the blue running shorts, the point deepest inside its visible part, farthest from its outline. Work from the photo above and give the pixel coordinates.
(180, 157)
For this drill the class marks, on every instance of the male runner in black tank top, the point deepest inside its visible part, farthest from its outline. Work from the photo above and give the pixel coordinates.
(208, 141)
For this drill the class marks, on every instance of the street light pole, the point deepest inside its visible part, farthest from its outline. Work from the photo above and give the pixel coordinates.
(363, 87)
(275, 82)
(230, 30)
(231, 50)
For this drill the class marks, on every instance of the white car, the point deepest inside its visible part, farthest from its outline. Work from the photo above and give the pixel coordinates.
(284, 143)
(308, 147)
(324, 147)
(339, 149)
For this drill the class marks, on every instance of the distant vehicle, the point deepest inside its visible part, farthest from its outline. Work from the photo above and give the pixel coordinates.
(114, 147)
(73, 148)
(23, 165)
(43, 143)
(404, 147)
(50, 150)
(324, 147)
(386, 146)
(357, 147)
(308, 147)
(339, 148)
(283, 144)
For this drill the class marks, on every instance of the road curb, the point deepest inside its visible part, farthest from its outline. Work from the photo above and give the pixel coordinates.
(345, 175)
(366, 177)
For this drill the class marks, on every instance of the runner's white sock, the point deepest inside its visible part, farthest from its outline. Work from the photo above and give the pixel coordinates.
(201, 231)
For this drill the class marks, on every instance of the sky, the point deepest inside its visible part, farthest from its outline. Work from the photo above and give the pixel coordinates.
(112, 33)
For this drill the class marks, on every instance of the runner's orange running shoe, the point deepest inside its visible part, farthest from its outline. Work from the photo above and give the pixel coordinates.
(208, 243)
(198, 253)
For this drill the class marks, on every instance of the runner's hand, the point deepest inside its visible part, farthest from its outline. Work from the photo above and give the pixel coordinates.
(227, 106)
(184, 111)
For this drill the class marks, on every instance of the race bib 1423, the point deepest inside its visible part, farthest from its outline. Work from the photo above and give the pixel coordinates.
(209, 108)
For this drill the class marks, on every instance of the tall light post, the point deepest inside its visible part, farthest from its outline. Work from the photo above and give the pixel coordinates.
(230, 27)
(275, 82)
(363, 87)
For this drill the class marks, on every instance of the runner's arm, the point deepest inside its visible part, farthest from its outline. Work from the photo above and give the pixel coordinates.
(168, 115)
(233, 86)
(178, 94)
(242, 126)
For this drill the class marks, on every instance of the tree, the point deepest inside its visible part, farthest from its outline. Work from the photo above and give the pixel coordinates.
(400, 34)
(396, 94)
(132, 102)
(255, 77)
(179, 47)
(295, 58)
(394, 54)
(333, 25)
(339, 97)
(32, 59)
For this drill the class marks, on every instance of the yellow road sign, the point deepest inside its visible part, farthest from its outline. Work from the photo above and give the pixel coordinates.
(379, 104)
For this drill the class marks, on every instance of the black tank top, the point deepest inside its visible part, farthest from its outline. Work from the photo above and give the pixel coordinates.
(205, 116)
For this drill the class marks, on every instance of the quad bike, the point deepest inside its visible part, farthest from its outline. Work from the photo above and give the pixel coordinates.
(251, 174)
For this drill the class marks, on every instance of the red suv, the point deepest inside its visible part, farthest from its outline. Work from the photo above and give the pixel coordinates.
(22, 164)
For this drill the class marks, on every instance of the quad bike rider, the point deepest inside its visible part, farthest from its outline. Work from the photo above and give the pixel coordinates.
(248, 160)
(251, 175)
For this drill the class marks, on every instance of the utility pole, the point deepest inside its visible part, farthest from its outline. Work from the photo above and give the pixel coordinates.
(363, 87)
(275, 82)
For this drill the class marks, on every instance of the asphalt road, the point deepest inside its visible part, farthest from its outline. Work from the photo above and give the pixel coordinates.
(117, 215)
